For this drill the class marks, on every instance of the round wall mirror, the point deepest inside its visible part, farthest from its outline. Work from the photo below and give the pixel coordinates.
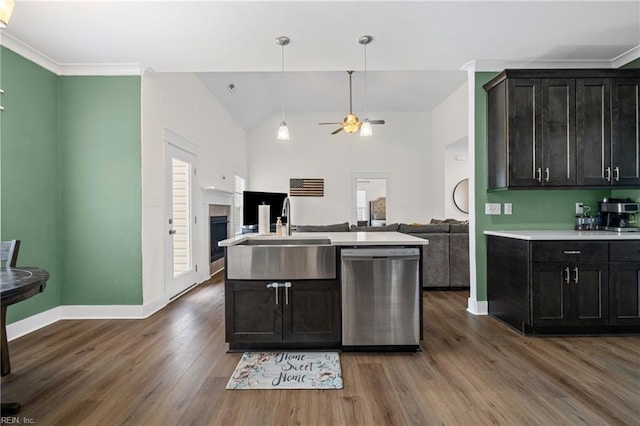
(461, 196)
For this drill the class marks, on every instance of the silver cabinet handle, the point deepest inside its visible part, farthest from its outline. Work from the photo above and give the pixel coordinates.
(567, 276)
(575, 271)
(608, 174)
(546, 174)
(274, 285)
(277, 285)
(538, 174)
(616, 174)
(286, 292)
(571, 252)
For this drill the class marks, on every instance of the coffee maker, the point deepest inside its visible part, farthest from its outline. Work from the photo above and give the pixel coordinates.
(618, 215)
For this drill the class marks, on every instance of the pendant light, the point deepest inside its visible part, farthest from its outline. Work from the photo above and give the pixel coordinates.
(365, 128)
(283, 130)
(6, 8)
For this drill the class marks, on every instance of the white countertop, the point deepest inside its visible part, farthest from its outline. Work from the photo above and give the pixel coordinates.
(339, 238)
(541, 235)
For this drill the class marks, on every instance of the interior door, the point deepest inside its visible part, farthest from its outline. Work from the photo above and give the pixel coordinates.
(181, 220)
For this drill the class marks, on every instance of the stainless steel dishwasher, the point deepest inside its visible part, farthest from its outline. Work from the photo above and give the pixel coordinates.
(380, 297)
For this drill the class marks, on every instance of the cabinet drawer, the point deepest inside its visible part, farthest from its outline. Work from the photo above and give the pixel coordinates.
(569, 251)
(624, 251)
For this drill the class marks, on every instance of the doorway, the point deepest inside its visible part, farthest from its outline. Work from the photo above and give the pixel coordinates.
(181, 221)
(370, 204)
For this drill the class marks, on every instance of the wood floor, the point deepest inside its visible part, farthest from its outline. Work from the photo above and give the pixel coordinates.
(172, 368)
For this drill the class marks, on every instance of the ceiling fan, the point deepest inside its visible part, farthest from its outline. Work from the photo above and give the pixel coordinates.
(351, 123)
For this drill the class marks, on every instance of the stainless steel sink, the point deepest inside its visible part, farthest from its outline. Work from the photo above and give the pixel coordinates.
(281, 259)
(268, 241)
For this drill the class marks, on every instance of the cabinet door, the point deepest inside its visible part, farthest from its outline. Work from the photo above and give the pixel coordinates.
(558, 132)
(593, 132)
(253, 312)
(589, 284)
(311, 312)
(624, 293)
(524, 100)
(497, 136)
(570, 294)
(551, 302)
(625, 132)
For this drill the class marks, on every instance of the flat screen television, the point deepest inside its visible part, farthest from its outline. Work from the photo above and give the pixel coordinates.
(252, 199)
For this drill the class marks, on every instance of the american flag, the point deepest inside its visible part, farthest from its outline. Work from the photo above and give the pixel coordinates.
(306, 187)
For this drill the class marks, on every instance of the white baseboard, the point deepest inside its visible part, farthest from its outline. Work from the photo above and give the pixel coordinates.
(43, 319)
(33, 323)
(478, 307)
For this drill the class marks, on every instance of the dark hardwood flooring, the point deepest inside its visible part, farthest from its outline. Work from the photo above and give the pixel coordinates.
(172, 368)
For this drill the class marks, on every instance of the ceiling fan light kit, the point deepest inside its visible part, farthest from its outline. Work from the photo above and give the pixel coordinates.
(365, 129)
(6, 9)
(351, 122)
(283, 130)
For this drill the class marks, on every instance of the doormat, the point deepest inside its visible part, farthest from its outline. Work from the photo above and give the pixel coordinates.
(287, 370)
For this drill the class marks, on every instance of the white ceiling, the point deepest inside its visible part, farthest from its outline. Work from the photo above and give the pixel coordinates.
(414, 61)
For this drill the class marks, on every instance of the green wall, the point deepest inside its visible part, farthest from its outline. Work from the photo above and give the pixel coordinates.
(30, 173)
(100, 176)
(71, 183)
(532, 209)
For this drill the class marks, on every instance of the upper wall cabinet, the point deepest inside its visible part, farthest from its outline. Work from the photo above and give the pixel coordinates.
(563, 128)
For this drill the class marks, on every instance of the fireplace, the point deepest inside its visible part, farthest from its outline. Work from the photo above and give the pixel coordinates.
(218, 229)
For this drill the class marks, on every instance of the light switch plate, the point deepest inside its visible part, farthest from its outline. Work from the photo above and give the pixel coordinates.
(492, 208)
(508, 208)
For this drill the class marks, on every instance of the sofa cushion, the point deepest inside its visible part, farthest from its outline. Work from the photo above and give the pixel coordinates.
(448, 221)
(459, 259)
(436, 271)
(390, 227)
(459, 228)
(335, 227)
(423, 229)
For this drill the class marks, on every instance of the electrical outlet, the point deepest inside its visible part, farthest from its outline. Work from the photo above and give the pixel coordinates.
(579, 208)
(508, 208)
(492, 208)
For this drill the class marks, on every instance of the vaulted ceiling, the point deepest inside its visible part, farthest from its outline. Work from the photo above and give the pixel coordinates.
(414, 61)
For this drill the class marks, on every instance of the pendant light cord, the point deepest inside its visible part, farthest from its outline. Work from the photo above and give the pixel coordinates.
(366, 95)
(282, 82)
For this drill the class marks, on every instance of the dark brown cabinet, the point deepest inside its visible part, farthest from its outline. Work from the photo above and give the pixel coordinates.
(569, 284)
(542, 287)
(608, 112)
(563, 128)
(625, 136)
(624, 283)
(282, 314)
(569, 294)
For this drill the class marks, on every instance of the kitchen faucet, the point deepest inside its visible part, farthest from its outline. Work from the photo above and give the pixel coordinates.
(286, 211)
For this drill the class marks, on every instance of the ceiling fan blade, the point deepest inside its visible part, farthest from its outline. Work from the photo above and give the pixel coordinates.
(336, 131)
(376, 121)
(337, 122)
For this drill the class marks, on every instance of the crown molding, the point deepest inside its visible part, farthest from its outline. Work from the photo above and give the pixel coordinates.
(628, 56)
(29, 53)
(49, 64)
(483, 65)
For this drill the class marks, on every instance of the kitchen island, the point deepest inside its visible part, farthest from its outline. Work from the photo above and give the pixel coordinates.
(564, 281)
(285, 292)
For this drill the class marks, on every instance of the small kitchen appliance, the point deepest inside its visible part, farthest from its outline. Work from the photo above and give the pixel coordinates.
(618, 215)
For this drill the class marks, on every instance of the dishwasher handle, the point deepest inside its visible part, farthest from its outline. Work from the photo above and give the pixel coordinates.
(352, 258)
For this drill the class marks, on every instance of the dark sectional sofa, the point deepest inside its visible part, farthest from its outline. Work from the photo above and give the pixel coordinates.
(446, 257)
